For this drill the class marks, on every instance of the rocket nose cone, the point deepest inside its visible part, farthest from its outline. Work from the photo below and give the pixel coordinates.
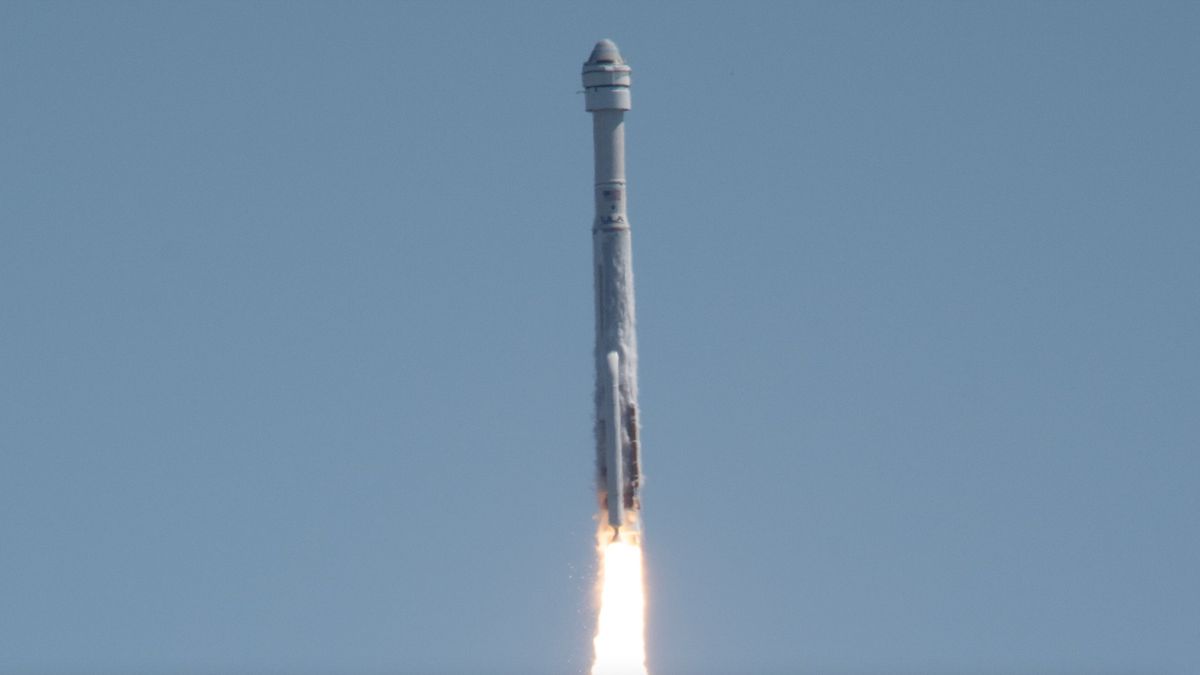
(605, 51)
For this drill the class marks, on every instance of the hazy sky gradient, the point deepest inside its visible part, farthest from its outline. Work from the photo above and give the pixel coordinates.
(296, 324)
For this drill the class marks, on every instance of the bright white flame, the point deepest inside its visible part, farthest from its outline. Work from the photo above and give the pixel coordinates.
(620, 632)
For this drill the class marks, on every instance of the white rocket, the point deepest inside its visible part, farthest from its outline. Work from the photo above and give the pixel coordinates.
(618, 464)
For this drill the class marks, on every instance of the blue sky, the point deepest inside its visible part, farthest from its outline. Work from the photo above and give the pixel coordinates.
(295, 336)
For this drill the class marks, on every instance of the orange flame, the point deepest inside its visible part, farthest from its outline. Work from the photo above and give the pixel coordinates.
(620, 642)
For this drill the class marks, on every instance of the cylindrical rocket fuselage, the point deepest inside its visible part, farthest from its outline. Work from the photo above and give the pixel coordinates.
(606, 86)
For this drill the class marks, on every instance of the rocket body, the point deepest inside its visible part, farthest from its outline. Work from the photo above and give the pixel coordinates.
(606, 81)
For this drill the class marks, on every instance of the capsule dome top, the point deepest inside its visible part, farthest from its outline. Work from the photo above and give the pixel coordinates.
(605, 51)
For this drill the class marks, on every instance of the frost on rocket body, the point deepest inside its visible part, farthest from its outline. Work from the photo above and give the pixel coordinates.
(616, 331)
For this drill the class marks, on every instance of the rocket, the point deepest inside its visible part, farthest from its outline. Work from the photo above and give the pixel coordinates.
(606, 81)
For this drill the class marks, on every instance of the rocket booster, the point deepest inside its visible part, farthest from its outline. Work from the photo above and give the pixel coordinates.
(606, 88)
